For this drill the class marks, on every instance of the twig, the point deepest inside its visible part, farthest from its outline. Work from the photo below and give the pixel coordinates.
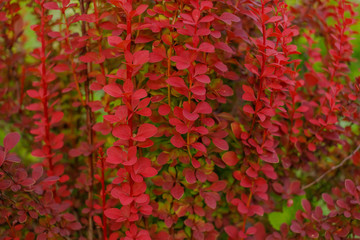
(89, 123)
(332, 169)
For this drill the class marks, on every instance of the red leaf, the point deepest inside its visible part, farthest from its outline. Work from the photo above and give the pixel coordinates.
(350, 187)
(231, 231)
(12, 158)
(218, 186)
(221, 66)
(11, 140)
(3, 17)
(65, 3)
(144, 112)
(176, 82)
(98, 221)
(225, 47)
(51, 5)
(42, 236)
(311, 79)
(270, 157)
(61, 68)
(198, 90)
(141, 57)
(190, 116)
(230, 158)
(203, 108)
(241, 207)
(202, 130)
(302, 109)
(89, 57)
(274, 19)
(177, 141)
(257, 210)
(225, 91)
(87, 17)
(4, 184)
(2, 157)
(114, 236)
(207, 18)
(252, 68)
(74, 226)
(149, 172)
(140, 9)
(56, 117)
(102, 127)
(196, 164)
(206, 47)
(327, 198)
(122, 131)
(189, 175)
(181, 62)
(131, 156)
(220, 143)
(196, 15)
(210, 199)
(33, 93)
(177, 191)
(200, 69)
(306, 205)
(113, 90)
(37, 172)
(145, 131)
(311, 147)
(356, 159)
(50, 180)
(166, 38)
(199, 146)
(27, 182)
(164, 110)
(143, 198)
(268, 71)
(114, 40)
(248, 94)
(229, 17)
(138, 188)
(139, 94)
(251, 230)
(115, 155)
(203, 78)
(113, 213)
(248, 109)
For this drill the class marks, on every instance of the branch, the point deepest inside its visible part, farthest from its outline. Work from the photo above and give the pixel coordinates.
(332, 169)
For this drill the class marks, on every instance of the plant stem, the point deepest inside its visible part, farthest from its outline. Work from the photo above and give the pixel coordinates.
(90, 133)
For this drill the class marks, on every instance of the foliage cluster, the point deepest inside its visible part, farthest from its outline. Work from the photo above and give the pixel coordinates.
(179, 119)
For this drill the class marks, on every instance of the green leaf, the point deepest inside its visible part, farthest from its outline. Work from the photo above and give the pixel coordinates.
(276, 219)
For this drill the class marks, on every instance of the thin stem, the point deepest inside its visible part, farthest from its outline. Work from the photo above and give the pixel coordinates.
(73, 65)
(261, 78)
(44, 86)
(247, 206)
(169, 74)
(103, 195)
(332, 169)
(90, 133)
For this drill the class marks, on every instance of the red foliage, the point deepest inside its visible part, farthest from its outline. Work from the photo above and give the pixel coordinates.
(178, 119)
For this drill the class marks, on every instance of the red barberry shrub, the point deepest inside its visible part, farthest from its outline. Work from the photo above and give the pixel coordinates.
(168, 119)
(29, 198)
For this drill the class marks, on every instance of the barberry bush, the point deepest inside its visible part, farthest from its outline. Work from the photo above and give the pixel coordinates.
(179, 119)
